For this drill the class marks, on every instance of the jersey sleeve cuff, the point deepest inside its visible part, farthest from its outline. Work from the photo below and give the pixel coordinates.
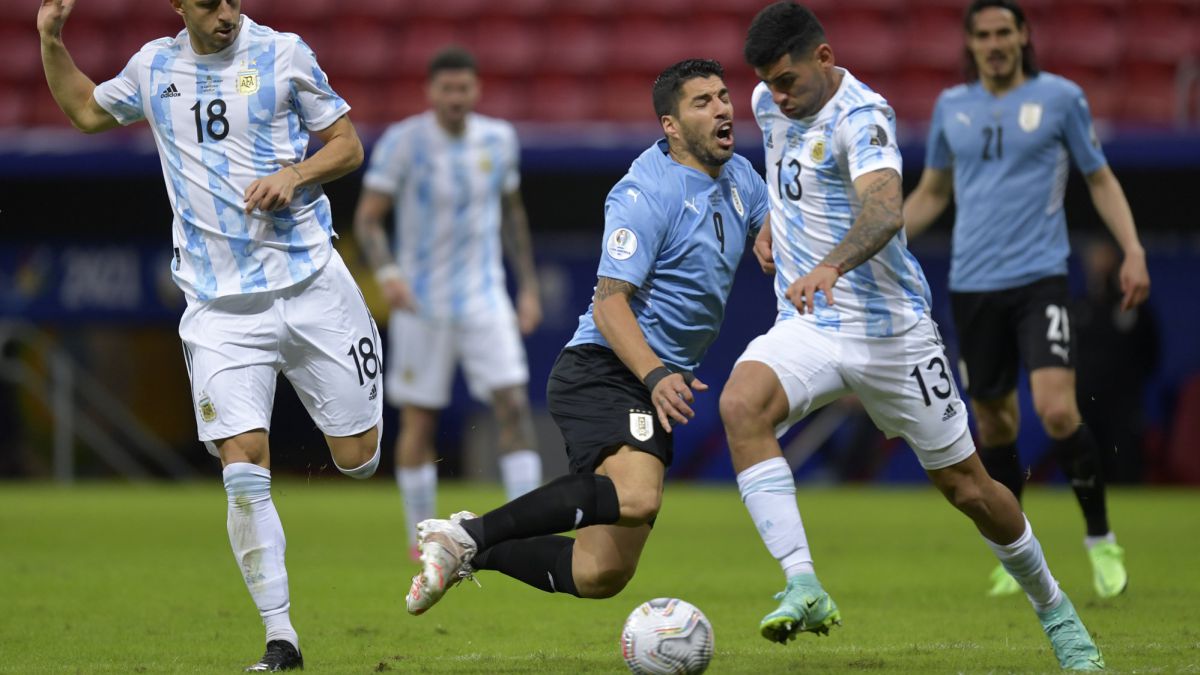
(325, 121)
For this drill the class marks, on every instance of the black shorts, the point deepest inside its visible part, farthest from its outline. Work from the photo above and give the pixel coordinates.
(1029, 323)
(599, 406)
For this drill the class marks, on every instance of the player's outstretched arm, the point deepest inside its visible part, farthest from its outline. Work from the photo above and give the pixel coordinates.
(72, 90)
(518, 245)
(618, 325)
(1114, 210)
(879, 221)
(928, 200)
(342, 153)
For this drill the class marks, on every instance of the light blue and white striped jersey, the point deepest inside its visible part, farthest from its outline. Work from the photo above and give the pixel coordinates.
(811, 168)
(677, 234)
(1009, 156)
(220, 122)
(447, 192)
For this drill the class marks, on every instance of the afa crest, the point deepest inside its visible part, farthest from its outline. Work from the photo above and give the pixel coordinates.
(247, 81)
(208, 411)
(817, 153)
(485, 163)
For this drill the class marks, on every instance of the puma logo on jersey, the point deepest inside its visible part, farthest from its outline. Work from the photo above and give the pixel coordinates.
(1061, 352)
(633, 193)
(170, 92)
(691, 205)
(963, 117)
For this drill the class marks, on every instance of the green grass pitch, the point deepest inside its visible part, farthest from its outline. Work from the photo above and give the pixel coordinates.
(111, 578)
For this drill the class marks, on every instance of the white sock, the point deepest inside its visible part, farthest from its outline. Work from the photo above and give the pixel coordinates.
(1109, 538)
(418, 489)
(521, 472)
(256, 536)
(769, 492)
(1023, 559)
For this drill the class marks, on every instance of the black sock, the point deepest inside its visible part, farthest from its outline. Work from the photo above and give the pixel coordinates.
(564, 504)
(1080, 460)
(1003, 464)
(541, 562)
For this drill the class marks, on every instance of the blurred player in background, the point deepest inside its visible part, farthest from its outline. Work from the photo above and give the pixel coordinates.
(999, 145)
(834, 171)
(230, 103)
(675, 228)
(451, 177)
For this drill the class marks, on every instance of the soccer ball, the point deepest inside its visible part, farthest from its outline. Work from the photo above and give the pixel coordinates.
(667, 635)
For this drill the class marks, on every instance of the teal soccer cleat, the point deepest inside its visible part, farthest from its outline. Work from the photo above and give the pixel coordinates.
(804, 607)
(1072, 644)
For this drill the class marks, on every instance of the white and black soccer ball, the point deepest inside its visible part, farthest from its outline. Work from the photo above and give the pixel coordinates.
(667, 635)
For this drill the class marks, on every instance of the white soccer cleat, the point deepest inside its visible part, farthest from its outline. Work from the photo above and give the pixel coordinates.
(446, 552)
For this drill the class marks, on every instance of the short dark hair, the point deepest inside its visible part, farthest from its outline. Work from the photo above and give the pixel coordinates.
(670, 82)
(452, 58)
(1028, 59)
(782, 28)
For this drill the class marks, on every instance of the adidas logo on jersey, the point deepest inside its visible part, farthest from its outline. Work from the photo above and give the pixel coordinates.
(170, 92)
(374, 392)
(950, 412)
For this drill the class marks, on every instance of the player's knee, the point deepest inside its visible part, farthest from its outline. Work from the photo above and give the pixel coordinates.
(1059, 418)
(965, 494)
(995, 428)
(640, 508)
(358, 456)
(604, 582)
(739, 415)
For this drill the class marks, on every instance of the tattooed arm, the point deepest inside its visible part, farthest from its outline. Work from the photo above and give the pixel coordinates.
(616, 322)
(373, 207)
(518, 245)
(880, 219)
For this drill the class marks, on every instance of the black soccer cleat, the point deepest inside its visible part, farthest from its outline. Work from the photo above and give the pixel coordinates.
(280, 655)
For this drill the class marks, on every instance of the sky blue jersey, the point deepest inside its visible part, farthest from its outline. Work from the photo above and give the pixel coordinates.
(1009, 156)
(677, 234)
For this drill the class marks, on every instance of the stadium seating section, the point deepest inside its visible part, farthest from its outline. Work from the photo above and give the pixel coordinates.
(570, 60)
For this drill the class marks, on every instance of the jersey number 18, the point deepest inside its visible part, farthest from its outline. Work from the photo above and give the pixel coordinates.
(217, 124)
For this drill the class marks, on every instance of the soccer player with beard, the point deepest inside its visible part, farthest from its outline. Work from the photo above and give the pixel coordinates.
(836, 224)
(231, 104)
(675, 228)
(999, 146)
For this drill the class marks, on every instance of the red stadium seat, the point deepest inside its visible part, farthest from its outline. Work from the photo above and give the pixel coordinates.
(626, 98)
(573, 45)
(20, 56)
(14, 106)
(868, 48)
(505, 97)
(648, 45)
(673, 9)
(913, 92)
(1161, 34)
(1102, 90)
(1149, 95)
(507, 47)
(564, 99)
(721, 39)
(424, 39)
(935, 42)
(95, 12)
(1086, 39)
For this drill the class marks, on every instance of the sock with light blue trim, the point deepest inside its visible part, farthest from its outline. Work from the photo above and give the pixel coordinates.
(769, 492)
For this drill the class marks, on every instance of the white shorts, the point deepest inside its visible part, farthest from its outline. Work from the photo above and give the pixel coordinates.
(318, 333)
(904, 382)
(423, 352)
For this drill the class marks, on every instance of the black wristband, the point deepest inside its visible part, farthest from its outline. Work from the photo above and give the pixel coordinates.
(654, 377)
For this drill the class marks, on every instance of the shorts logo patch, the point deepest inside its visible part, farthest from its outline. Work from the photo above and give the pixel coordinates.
(641, 426)
(622, 244)
(374, 392)
(208, 411)
(950, 412)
